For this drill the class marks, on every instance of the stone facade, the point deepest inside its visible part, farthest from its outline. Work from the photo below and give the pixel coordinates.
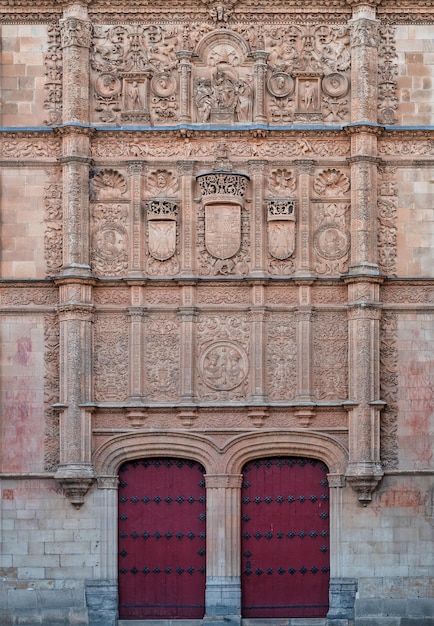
(217, 242)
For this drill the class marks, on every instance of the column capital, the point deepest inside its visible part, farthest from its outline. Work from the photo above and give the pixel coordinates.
(223, 481)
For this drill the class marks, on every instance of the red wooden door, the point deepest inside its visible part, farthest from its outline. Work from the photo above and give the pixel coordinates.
(161, 539)
(285, 538)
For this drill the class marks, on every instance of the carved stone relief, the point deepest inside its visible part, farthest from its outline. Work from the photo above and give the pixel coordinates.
(387, 76)
(331, 239)
(223, 356)
(330, 355)
(108, 184)
(223, 225)
(53, 240)
(281, 357)
(162, 357)
(51, 392)
(110, 357)
(109, 247)
(162, 217)
(389, 390)
(134, 73)
(387, 202)
(54, 73)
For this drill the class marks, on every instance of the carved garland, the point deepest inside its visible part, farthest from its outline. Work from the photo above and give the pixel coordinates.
(389, 390)
(51, 392)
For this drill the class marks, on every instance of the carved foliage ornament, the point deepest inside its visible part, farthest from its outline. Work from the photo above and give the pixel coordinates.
(53, 72)
(53, 240)
(387, 76)
(109, 248)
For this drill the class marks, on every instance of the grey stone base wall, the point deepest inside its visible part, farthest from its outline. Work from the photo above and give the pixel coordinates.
(43, 607)
(342, 595)
(102, 602)
(223, 601)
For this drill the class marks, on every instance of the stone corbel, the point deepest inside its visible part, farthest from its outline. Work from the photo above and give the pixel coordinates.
(75, 484)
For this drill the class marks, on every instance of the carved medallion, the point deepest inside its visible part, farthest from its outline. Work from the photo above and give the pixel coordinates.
(335, 85)
(222, 229)
(108, 85)
(280, 84)
(224, 366)
(330, 242)
(110, 241)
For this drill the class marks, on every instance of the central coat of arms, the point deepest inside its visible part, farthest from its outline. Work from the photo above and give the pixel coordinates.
(223, 229)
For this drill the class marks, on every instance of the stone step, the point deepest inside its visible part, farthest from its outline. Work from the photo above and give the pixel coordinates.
(287, 621)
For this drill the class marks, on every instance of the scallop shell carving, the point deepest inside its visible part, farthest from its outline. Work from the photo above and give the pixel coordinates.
(109, 183)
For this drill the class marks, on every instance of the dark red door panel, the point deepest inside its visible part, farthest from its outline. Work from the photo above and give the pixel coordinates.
(161, 539)
(285, 538)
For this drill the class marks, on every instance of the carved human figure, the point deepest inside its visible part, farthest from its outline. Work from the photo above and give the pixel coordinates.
(223, 90)
(134, 96)
(202, 98)
(308, 95)
(244, 94)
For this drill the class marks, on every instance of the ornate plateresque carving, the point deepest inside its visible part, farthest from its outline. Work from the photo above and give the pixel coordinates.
(223, 229)
(53, 72)
(330, 355)
(109, 255)
(110, 357)
(281, 357)
(387, 76)
(51, 392)
(53, 241)
(389, 390)
(387, 220)
(223, 353)
(162, 357)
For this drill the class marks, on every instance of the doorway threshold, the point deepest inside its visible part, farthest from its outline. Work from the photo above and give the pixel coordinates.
(287, 621)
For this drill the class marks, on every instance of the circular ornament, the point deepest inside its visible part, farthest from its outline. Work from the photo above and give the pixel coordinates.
(280, 84)
(335, 85)
(330, 242)
(224, 365)
(108, 85)
(110, 242)
(163, 84)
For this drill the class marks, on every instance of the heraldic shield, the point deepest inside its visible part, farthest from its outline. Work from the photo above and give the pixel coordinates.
(223, 229)
(162, 224)
(281, 228)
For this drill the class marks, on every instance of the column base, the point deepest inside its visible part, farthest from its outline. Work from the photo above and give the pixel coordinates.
(223, 601)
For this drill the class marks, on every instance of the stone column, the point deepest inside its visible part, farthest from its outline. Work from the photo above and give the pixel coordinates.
(188, 237)
(135, 170)
(260, 69)
(184, 67)
(257, 317)
(76, 39)
(223, 586)
(304, 229)
(304, 320)
(187, 314)
(137, 317)
(76, 162)
(364, 469)
(257, 238)
(75, 472)
(102, 593)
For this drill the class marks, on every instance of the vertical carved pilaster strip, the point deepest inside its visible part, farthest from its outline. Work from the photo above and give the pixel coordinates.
(364, 469)
(364, 46)
(75, 473)
(223, 583)
(137, 317)
(75, 163)
(258, 238)
(257, 318)
(304, 263)
(135, 170)
(76, 40)
(364, 223)
(303, 316)
(188, 239)
(187, 315)
(184, 67)
(336, 483)
(260, 69)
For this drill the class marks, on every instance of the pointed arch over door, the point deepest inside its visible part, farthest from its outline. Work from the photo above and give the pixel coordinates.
(162, 539)
(285, 538)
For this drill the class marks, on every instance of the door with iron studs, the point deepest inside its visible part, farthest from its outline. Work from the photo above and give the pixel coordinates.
(285, 538)
(162, 534)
